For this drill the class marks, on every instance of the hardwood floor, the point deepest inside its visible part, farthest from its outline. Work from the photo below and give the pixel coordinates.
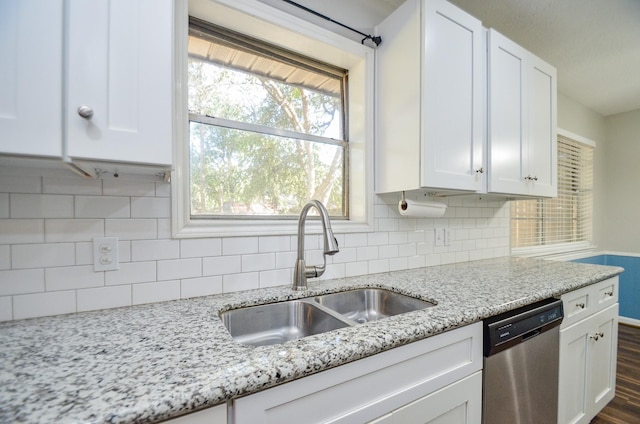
(625, 407)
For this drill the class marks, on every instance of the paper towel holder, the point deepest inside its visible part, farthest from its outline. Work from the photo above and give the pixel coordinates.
(403, 202)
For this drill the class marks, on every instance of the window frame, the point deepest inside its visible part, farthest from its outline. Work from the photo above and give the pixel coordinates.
(568, 248)
(264, 22)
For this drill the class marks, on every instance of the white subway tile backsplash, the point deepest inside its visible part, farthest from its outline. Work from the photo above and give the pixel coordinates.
(239, 245)
(147, 250)
(132, 273)
(356, 268)
(102, 207)
(47, 226)
(367, 253)
(220, 265)
(5, 257)
(104, 298)
(164, 228)
(124, 251)
(345, 255)
(21, 281)
(19, 231)
(199, 248)
(287, 259)
(378, 266)
(355, 240)
(74, 277)
(40, 206)
(4, 205)
(42, 255)
(84, 253)
(128, 188)
(202, 286)
(44, 304)
(6, 308)
(163, 189)
(268, 244)
(258, 262)
(20, 184)
(377, 239)
(68, 230)
(155, 292)
(276, 277)
(71, 185)
(179, 268)
(150, 207)
(240, 282)
(131, 229)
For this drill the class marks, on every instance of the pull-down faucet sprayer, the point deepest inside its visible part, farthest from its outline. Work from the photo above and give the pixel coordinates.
(301, 272)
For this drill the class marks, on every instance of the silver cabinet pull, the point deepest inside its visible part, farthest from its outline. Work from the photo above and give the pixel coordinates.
(530, 178)
(480, 171)
(609, 293)
(85, 111)
(597, 336)
(580, 305)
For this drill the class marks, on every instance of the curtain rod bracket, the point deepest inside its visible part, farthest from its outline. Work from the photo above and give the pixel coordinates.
(377, 40)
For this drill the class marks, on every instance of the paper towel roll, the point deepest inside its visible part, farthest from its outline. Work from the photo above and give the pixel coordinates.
(421, 209)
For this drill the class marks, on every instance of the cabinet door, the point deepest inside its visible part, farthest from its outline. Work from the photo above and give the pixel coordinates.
(507, 113)
(522, 121)
(120, 68)
(573, 371)
(458, 403)
(213, 415)
(542, 149)
(587, 374)
(31, 77)
(603, 360)
(452, 129)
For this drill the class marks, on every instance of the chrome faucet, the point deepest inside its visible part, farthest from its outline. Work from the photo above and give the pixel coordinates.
(301, 271)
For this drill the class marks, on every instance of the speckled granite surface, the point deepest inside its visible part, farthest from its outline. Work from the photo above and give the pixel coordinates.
(152, 362)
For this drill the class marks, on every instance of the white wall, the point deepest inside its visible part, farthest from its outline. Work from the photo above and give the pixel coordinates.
(622, 197)
(47, 225)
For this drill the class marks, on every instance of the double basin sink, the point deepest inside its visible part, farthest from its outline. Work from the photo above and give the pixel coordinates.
(280, 322)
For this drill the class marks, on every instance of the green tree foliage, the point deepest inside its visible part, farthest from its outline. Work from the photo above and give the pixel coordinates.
(240, 172)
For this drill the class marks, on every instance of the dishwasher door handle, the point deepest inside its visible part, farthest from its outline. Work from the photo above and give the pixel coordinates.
(531, 334)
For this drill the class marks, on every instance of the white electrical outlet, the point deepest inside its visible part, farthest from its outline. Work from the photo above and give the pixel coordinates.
(105, 254)
(438, 237)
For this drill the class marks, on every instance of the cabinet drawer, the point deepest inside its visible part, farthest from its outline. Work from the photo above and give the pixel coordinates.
(587, 301)
(367, 389)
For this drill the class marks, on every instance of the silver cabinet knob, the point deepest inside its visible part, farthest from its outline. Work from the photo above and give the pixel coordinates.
(85, 111)
(580, 305)
(480, 171)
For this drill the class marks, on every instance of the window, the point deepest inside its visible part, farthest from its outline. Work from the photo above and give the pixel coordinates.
(267, 128)
(232, 191)
(563, 223)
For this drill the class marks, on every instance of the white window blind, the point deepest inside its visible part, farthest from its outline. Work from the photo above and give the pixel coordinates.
(565, 221)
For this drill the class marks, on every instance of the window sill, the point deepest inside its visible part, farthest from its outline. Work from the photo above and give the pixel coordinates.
(566, 251)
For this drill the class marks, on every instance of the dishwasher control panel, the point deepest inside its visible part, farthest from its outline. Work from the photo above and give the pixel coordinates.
(518, 325)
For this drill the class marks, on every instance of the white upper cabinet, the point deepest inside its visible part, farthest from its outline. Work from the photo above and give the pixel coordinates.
(31, 77)
(87, 79)
(430, 99)
(522, 153)
(120, 73)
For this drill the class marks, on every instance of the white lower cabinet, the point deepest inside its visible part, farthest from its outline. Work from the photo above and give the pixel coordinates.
(215, 415)
(435, 380)
(588, 355)
(458, 403)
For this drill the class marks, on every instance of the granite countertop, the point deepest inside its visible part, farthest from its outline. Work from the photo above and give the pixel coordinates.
(152, 362)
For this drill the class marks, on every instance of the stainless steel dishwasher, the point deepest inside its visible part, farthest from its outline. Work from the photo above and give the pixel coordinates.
(520, 378)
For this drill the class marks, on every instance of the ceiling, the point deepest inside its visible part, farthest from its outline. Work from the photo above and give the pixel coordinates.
(594, 44)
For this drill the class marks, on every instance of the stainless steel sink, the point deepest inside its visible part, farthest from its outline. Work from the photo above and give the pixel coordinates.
(365, 305)
(280, 322)
(275, 323)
